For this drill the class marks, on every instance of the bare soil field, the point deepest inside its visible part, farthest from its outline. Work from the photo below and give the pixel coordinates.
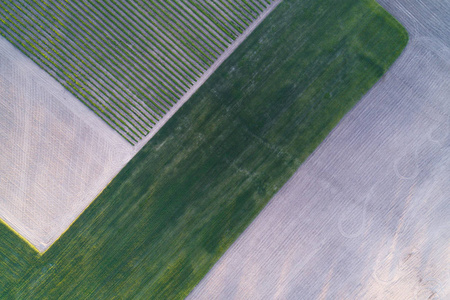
(366, 216)
(56, 155)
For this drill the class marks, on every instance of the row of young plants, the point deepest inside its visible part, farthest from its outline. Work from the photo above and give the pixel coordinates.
(189, 31)
(97, 51)
(137, 44)
(129, 61)
(126, 23)
(213, 18)
(98, 33)
(188, 13)
(191, 48)
(226, 15)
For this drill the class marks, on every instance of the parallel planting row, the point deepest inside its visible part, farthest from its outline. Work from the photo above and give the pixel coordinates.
(128, 61)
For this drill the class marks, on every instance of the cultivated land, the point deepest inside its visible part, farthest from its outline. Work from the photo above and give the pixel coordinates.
(56, 155)
(170, 214)
(54, 176)
(128, 61)
(367, 215)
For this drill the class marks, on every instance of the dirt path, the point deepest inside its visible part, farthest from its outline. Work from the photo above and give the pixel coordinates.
(366, 216)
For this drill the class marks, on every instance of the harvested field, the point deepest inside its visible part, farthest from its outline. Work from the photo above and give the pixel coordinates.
(169, 215)
(56, 156)
(367, 215)
(128, 61)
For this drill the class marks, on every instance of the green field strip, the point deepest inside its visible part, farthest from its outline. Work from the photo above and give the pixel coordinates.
(13, 264)
(170, 214)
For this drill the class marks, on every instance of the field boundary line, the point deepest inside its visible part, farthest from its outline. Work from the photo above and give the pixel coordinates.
(138, 146)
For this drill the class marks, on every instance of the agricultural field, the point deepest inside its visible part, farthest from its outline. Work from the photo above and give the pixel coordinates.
(175, 208)
(56, 155)
(128, 61)
(67, 154)
(367, 215)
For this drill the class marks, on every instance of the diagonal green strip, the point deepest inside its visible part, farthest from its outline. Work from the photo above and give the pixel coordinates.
(180, 203)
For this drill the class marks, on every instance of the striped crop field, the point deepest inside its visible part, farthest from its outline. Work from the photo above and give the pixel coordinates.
(129, 61)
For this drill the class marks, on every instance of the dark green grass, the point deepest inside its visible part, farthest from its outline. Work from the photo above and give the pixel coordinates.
(187, 195)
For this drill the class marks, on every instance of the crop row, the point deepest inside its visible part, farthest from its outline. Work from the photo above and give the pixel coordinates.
(128, 61)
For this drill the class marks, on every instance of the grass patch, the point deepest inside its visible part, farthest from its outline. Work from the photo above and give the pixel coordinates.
(171, 213)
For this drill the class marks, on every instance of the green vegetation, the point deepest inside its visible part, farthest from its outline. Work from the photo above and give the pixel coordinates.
(171, 213)
(129, 61)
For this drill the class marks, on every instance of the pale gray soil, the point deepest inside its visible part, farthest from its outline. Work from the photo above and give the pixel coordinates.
(56, 155)
(367, 216)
